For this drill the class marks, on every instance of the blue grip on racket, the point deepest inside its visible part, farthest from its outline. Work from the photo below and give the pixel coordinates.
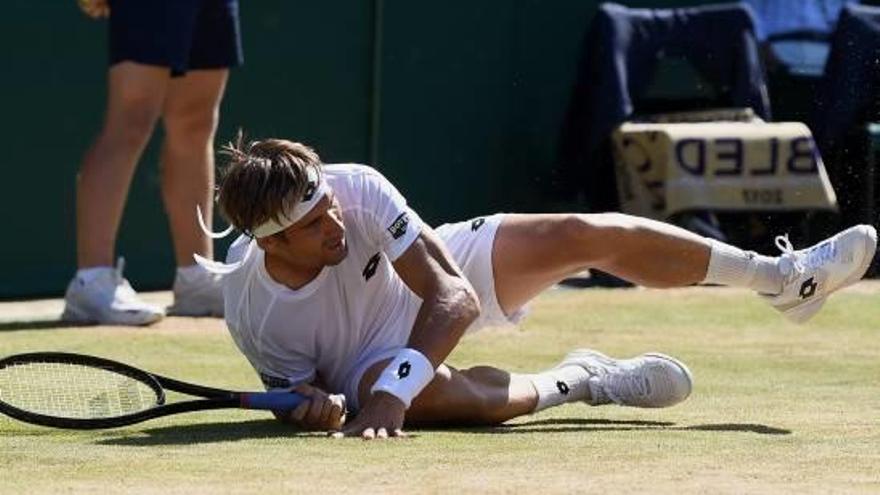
(272, 401)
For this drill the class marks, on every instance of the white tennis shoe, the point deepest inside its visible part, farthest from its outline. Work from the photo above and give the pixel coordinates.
(200, 296)
(107, 299)
(649, 380)
(812, 274)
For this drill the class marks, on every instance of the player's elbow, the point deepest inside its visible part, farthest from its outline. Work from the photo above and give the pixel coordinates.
(474, 307)
(467, 302)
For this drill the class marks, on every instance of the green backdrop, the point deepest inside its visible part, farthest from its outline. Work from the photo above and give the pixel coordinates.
(459, 102)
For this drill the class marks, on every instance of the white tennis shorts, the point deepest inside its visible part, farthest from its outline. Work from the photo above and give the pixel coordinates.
(470, 244)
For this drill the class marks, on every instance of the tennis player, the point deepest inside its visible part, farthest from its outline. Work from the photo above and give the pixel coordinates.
(337, 287)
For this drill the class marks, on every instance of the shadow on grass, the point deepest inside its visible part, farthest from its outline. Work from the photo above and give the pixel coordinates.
(14, 326)
(742, 427)
(208, 433)
(562, 425)
(269, 428)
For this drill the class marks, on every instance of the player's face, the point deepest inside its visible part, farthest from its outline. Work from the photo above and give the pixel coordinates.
(318, 239)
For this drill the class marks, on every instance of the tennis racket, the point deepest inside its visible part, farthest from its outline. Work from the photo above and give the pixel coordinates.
(75, 391)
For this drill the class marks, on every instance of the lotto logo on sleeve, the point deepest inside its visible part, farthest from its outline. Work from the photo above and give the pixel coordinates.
(398, 227)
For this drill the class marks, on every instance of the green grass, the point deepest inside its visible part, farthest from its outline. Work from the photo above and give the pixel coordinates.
(776, 408)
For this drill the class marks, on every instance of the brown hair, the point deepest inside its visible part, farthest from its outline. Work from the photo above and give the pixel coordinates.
(262, 178)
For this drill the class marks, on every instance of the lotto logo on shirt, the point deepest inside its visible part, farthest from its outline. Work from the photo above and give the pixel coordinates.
(398, 228)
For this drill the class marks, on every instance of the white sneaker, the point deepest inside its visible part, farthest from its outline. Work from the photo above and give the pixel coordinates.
(812, 274)
(649, 380)
(107, 299)
(202, 295)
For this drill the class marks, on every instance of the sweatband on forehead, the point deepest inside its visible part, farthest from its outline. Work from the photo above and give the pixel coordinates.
(315, 190)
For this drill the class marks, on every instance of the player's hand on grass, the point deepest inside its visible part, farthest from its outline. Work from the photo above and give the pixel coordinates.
(96, 9)
(323, 411)
(381, 417)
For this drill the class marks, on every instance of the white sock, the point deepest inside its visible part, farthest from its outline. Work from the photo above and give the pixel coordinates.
(730, 265)
(560, 385)
(190, 273)
(89, 274)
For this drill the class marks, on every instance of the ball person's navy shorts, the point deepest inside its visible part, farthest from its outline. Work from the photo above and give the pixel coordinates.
(180, 34)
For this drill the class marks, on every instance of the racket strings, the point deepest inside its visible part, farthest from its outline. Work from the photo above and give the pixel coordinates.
(73, 391)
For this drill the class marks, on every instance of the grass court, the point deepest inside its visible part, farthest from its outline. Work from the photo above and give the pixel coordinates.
(776, 408)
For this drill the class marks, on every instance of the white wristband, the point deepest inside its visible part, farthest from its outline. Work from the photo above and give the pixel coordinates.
(407, 374)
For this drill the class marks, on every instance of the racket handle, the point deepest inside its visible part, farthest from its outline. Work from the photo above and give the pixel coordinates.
(271, 401)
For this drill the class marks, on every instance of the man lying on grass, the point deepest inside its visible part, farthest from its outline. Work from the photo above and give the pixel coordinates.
(337, 288)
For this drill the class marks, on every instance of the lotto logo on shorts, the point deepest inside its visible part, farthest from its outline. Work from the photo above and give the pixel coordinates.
(398, 228)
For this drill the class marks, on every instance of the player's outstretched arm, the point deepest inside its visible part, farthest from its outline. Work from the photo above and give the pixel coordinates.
(322, 412)
(449, 306)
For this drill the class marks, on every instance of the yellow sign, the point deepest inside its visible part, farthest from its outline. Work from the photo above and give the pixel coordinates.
(665, 168)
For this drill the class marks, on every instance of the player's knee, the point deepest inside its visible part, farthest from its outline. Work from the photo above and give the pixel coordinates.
(471, 302)
(592, 240)
(588, 229)
(607, 229)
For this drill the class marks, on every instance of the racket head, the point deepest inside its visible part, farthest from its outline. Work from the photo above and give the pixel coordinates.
(65, 390)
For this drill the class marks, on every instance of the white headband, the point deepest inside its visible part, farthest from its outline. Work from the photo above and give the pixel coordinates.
(315, 190)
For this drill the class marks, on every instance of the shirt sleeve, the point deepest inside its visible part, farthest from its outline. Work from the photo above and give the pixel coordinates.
(389, 222)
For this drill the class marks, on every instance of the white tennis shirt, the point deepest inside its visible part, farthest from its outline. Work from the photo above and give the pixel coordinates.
(348, 311)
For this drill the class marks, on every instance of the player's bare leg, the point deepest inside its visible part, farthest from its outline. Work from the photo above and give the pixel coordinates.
(478, 396)
(533, 252)
(484, 395)
(190, 117)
